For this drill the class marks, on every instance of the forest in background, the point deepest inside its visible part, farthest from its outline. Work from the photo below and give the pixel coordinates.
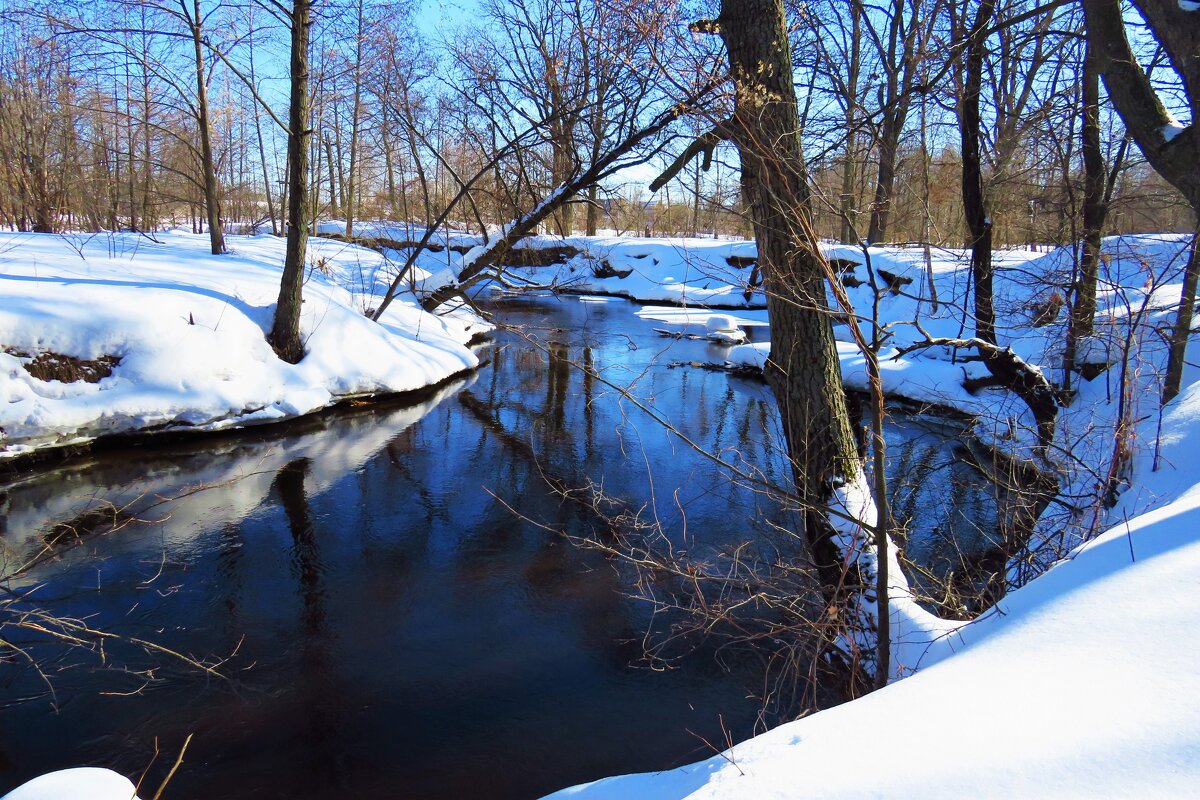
(127, 114)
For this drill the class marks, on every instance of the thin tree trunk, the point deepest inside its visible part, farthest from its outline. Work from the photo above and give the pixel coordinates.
(285, 332)
(1182, 331)
(1083, 308)
(212, 202)
(262, 150)
(352, 183)
(850, 162)
(333, 193)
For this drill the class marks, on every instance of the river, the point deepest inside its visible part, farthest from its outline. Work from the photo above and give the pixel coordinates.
(395, 611)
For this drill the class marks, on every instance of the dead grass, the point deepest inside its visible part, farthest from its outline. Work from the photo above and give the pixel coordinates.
(67, 369)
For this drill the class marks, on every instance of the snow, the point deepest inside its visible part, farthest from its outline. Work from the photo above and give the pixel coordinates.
(720, 322)
(684, 271)
(82, 783)
(189, 329)
(1173, 128)
(698, 316)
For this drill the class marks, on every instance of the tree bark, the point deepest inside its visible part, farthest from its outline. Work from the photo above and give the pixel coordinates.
(285, 333)
(979, 224)
(1083, 307)
(212, 191)
(355, 116)
(1172, 149)
(803, 370)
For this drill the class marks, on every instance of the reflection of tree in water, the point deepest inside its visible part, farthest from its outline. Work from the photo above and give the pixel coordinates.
(934, 489)
(229, 559)
(589, 397)
(558, 379)
(317, 687)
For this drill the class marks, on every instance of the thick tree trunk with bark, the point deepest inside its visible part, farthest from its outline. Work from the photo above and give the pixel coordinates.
(803, 369)
(285, 333)
(979, 224)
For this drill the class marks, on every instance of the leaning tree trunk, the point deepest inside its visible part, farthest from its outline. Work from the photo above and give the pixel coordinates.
(803, 370)
(285, 333)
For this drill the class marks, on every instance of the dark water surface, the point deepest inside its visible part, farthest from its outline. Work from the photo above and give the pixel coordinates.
(389, 626)
(391, 629)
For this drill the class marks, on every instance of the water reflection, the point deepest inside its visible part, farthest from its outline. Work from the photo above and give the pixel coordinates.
(391, 628)
(391, 624)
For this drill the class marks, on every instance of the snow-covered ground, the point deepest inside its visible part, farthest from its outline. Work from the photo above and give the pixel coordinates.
(687, 271)
(188, 332)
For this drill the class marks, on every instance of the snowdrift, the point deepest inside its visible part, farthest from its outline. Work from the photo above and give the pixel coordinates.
(184, 333)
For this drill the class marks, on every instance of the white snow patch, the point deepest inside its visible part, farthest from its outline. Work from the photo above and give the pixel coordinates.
(82, 783)
(1173, 128)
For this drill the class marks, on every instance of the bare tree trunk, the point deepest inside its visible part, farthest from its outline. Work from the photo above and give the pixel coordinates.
(285, 333)
(889, 143)
(979, 224)
(333, 193)
(212, 192)
(1182, 331)
(803, 369)
(1173, 150)
(849, 200)
(1083, 308)
(389, 167)
(131, 177)
(355, 114)
(593, 210)
(262, 150)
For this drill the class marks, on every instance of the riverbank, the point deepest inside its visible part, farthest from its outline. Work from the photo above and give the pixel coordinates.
(1080, 684)
(112, 335)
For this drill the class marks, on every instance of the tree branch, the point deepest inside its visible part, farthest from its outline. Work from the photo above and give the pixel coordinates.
(705, 143)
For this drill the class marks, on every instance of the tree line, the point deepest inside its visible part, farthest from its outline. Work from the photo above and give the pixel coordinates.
(140, 115)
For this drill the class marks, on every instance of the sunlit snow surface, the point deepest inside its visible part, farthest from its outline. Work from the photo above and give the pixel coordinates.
(82, 783)
(190, 330)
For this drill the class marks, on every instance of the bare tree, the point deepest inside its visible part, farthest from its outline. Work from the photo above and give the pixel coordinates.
(1171, 147)
(285, 330)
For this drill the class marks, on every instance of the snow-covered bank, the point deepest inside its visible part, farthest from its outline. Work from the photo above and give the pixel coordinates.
(186, 331)
(679, 270)
(81, 783)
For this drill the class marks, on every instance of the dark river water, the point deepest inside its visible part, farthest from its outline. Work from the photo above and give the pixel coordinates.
(394, 608)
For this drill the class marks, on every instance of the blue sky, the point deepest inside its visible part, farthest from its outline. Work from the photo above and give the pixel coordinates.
(435, 15)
